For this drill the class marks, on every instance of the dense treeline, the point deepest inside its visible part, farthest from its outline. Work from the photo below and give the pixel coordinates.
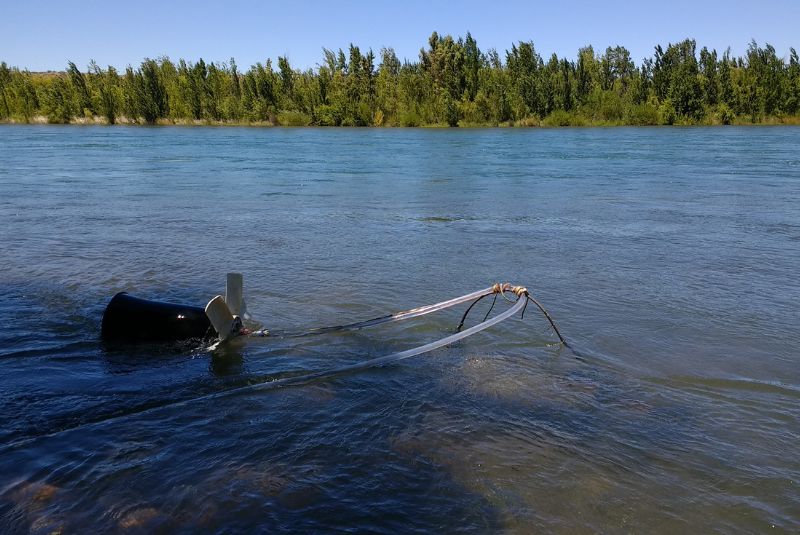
(453, 83)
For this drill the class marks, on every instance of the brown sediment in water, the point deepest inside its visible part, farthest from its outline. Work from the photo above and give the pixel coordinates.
(140, 518)
(497, 377)
(237, 480)
(47, 524)
(31, 503)
(513, 473)
(34, 494)
(288, 486)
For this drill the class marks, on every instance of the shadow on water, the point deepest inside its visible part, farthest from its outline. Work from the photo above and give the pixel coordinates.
(298, 459)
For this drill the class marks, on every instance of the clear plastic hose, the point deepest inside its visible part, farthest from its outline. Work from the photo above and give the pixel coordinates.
(396, 316)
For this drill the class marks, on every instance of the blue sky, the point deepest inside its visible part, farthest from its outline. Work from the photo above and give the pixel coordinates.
(44, 35)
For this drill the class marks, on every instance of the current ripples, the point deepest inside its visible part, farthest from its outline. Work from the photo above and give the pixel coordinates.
(665, 255)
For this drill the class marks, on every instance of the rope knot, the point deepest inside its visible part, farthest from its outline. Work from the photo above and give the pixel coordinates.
(500, 288)
(520, 290)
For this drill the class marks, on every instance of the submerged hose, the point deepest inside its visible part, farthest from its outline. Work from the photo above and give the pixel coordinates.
(523, 296)
(379, 361)
(475, 297)
(396, 316)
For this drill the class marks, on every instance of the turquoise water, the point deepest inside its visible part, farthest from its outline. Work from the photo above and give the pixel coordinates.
(667, 256)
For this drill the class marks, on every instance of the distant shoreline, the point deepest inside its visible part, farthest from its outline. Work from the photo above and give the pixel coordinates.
(532, 122)
(454, 84)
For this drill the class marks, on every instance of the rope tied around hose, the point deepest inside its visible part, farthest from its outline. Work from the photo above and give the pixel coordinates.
(504, 287)
(499, 288)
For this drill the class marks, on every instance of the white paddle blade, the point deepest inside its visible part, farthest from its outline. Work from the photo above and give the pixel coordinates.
(221, 318)
(234, 291)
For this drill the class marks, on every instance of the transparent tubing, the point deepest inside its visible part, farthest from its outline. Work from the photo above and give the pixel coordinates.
(396, 316)
(387, 359)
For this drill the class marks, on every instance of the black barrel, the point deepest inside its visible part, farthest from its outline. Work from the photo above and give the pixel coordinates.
(130, 319)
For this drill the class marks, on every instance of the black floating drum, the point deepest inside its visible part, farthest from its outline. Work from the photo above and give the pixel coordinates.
(130, 319)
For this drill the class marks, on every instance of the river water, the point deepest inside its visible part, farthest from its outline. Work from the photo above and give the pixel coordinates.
(667, 256)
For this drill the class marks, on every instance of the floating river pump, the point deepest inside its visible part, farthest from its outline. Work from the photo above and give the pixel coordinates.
(129, 319)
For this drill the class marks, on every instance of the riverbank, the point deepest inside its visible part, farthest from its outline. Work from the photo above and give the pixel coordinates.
(559, 119)
(453, 85)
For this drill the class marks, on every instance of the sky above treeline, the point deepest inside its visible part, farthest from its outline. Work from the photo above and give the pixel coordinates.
(44, 35)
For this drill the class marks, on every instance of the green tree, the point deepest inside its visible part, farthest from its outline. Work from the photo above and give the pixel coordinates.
(152, 93)
(107, 83)
(83, 98)
(473, 63)
(444, 63)
(708, 76)
(286, 83)
(386, 90)
(130, 92)
(676, 77)
(552, 92)
(233, 103)
(793, 84)
(617, 68)
(524, 68)
(196, 84)
(726, 93)
(5, 85)
(414, 93)
(214, 92)
(764, 76)
(587, 73)
(566, 88)
(58, 101)
(641, 95)
(170, 78)
(495, 99)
